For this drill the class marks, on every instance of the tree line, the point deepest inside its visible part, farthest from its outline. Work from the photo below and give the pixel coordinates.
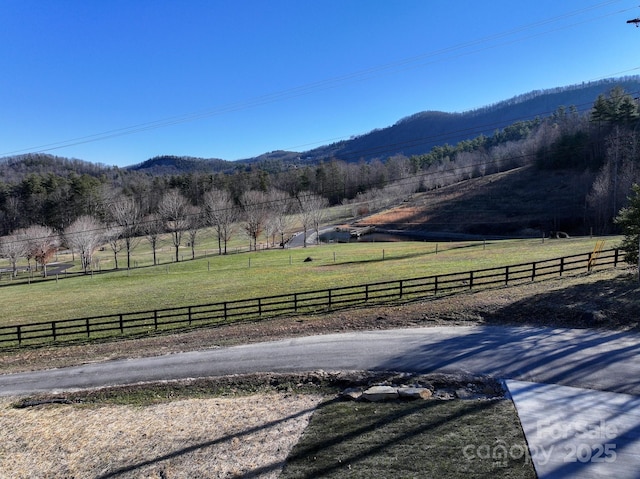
(124, 224)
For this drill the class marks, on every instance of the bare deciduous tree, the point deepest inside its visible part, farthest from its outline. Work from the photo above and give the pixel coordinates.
(116, 241)
(311, 212)
(255, 206)
(125, 213)
(195, 222)
(222, 214)
(13, 247)
(42, 243)
(174, 211)
(85, 234)
(152, 226)
(282, 207)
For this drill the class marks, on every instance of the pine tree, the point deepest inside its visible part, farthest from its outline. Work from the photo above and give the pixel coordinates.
(629, 220)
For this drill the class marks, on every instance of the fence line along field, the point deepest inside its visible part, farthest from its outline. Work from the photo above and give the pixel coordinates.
(302, 302)
(265, 273)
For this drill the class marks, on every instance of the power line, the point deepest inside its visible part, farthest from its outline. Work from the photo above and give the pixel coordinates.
(393, 67)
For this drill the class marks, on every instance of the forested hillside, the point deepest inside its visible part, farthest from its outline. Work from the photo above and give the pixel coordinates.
(598, 145)
(420, 132)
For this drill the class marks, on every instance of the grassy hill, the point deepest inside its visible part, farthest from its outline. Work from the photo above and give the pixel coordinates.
(521, 202)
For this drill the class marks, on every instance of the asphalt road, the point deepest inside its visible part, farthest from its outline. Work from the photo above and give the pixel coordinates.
(604, 360)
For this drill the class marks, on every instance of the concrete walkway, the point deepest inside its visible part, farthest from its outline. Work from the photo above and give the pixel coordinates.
(579, 433)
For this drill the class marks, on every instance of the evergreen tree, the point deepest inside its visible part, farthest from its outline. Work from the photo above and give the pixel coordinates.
(629, 220)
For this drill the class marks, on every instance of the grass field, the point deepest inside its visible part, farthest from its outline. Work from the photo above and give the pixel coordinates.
(264, 273)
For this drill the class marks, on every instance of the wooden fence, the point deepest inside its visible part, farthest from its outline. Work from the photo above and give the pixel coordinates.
(144, 322)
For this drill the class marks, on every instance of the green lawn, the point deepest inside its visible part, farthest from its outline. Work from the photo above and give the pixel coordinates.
(427, 439)
(263, 273)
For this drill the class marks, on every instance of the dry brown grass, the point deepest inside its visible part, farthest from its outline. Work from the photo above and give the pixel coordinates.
(193, 438)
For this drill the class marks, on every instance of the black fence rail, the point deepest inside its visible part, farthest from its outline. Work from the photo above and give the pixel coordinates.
(144, 322)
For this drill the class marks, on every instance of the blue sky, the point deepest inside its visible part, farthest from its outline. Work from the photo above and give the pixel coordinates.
(120, 81)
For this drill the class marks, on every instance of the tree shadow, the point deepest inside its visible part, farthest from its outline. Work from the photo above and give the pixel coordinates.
(583, 336)
(607, 304)
(597, 359)
(132, 468)
(566, 420)
(302, 463)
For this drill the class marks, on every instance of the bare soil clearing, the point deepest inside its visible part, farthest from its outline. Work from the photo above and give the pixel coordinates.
(514, 202)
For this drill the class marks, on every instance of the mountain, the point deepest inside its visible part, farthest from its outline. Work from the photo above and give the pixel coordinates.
(171, 165)
(414, 135)
(419, 133)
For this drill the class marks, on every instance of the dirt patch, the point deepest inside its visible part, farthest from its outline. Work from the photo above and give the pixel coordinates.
(325, 383)
(520, 201)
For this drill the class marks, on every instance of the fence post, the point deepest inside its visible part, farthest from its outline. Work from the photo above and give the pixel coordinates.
(533, 271)
(225, 311)
(470, 279)
(401, 288)
(88, 328)
(259, 306)
(53, 330)
(435, 289)
(366, 292)
(155, 319)
(615, 259)
(329, 305)
(295, 302)
(506, 276)
(19, 334)
(561, 266)
(121, 324)
(189, 313)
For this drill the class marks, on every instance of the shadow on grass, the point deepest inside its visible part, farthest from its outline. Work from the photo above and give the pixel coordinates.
(607, 303)
(402, 439)
(396, 257)
(132, 468)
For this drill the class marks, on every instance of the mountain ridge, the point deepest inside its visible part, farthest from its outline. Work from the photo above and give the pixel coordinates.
(414, 134)
(417, 133)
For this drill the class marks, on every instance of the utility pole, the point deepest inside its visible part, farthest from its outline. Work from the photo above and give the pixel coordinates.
(636, 22)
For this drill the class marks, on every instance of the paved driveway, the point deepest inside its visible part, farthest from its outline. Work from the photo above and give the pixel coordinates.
(604, 360)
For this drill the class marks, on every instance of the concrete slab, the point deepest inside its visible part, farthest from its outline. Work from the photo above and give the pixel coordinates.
(579, 433)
